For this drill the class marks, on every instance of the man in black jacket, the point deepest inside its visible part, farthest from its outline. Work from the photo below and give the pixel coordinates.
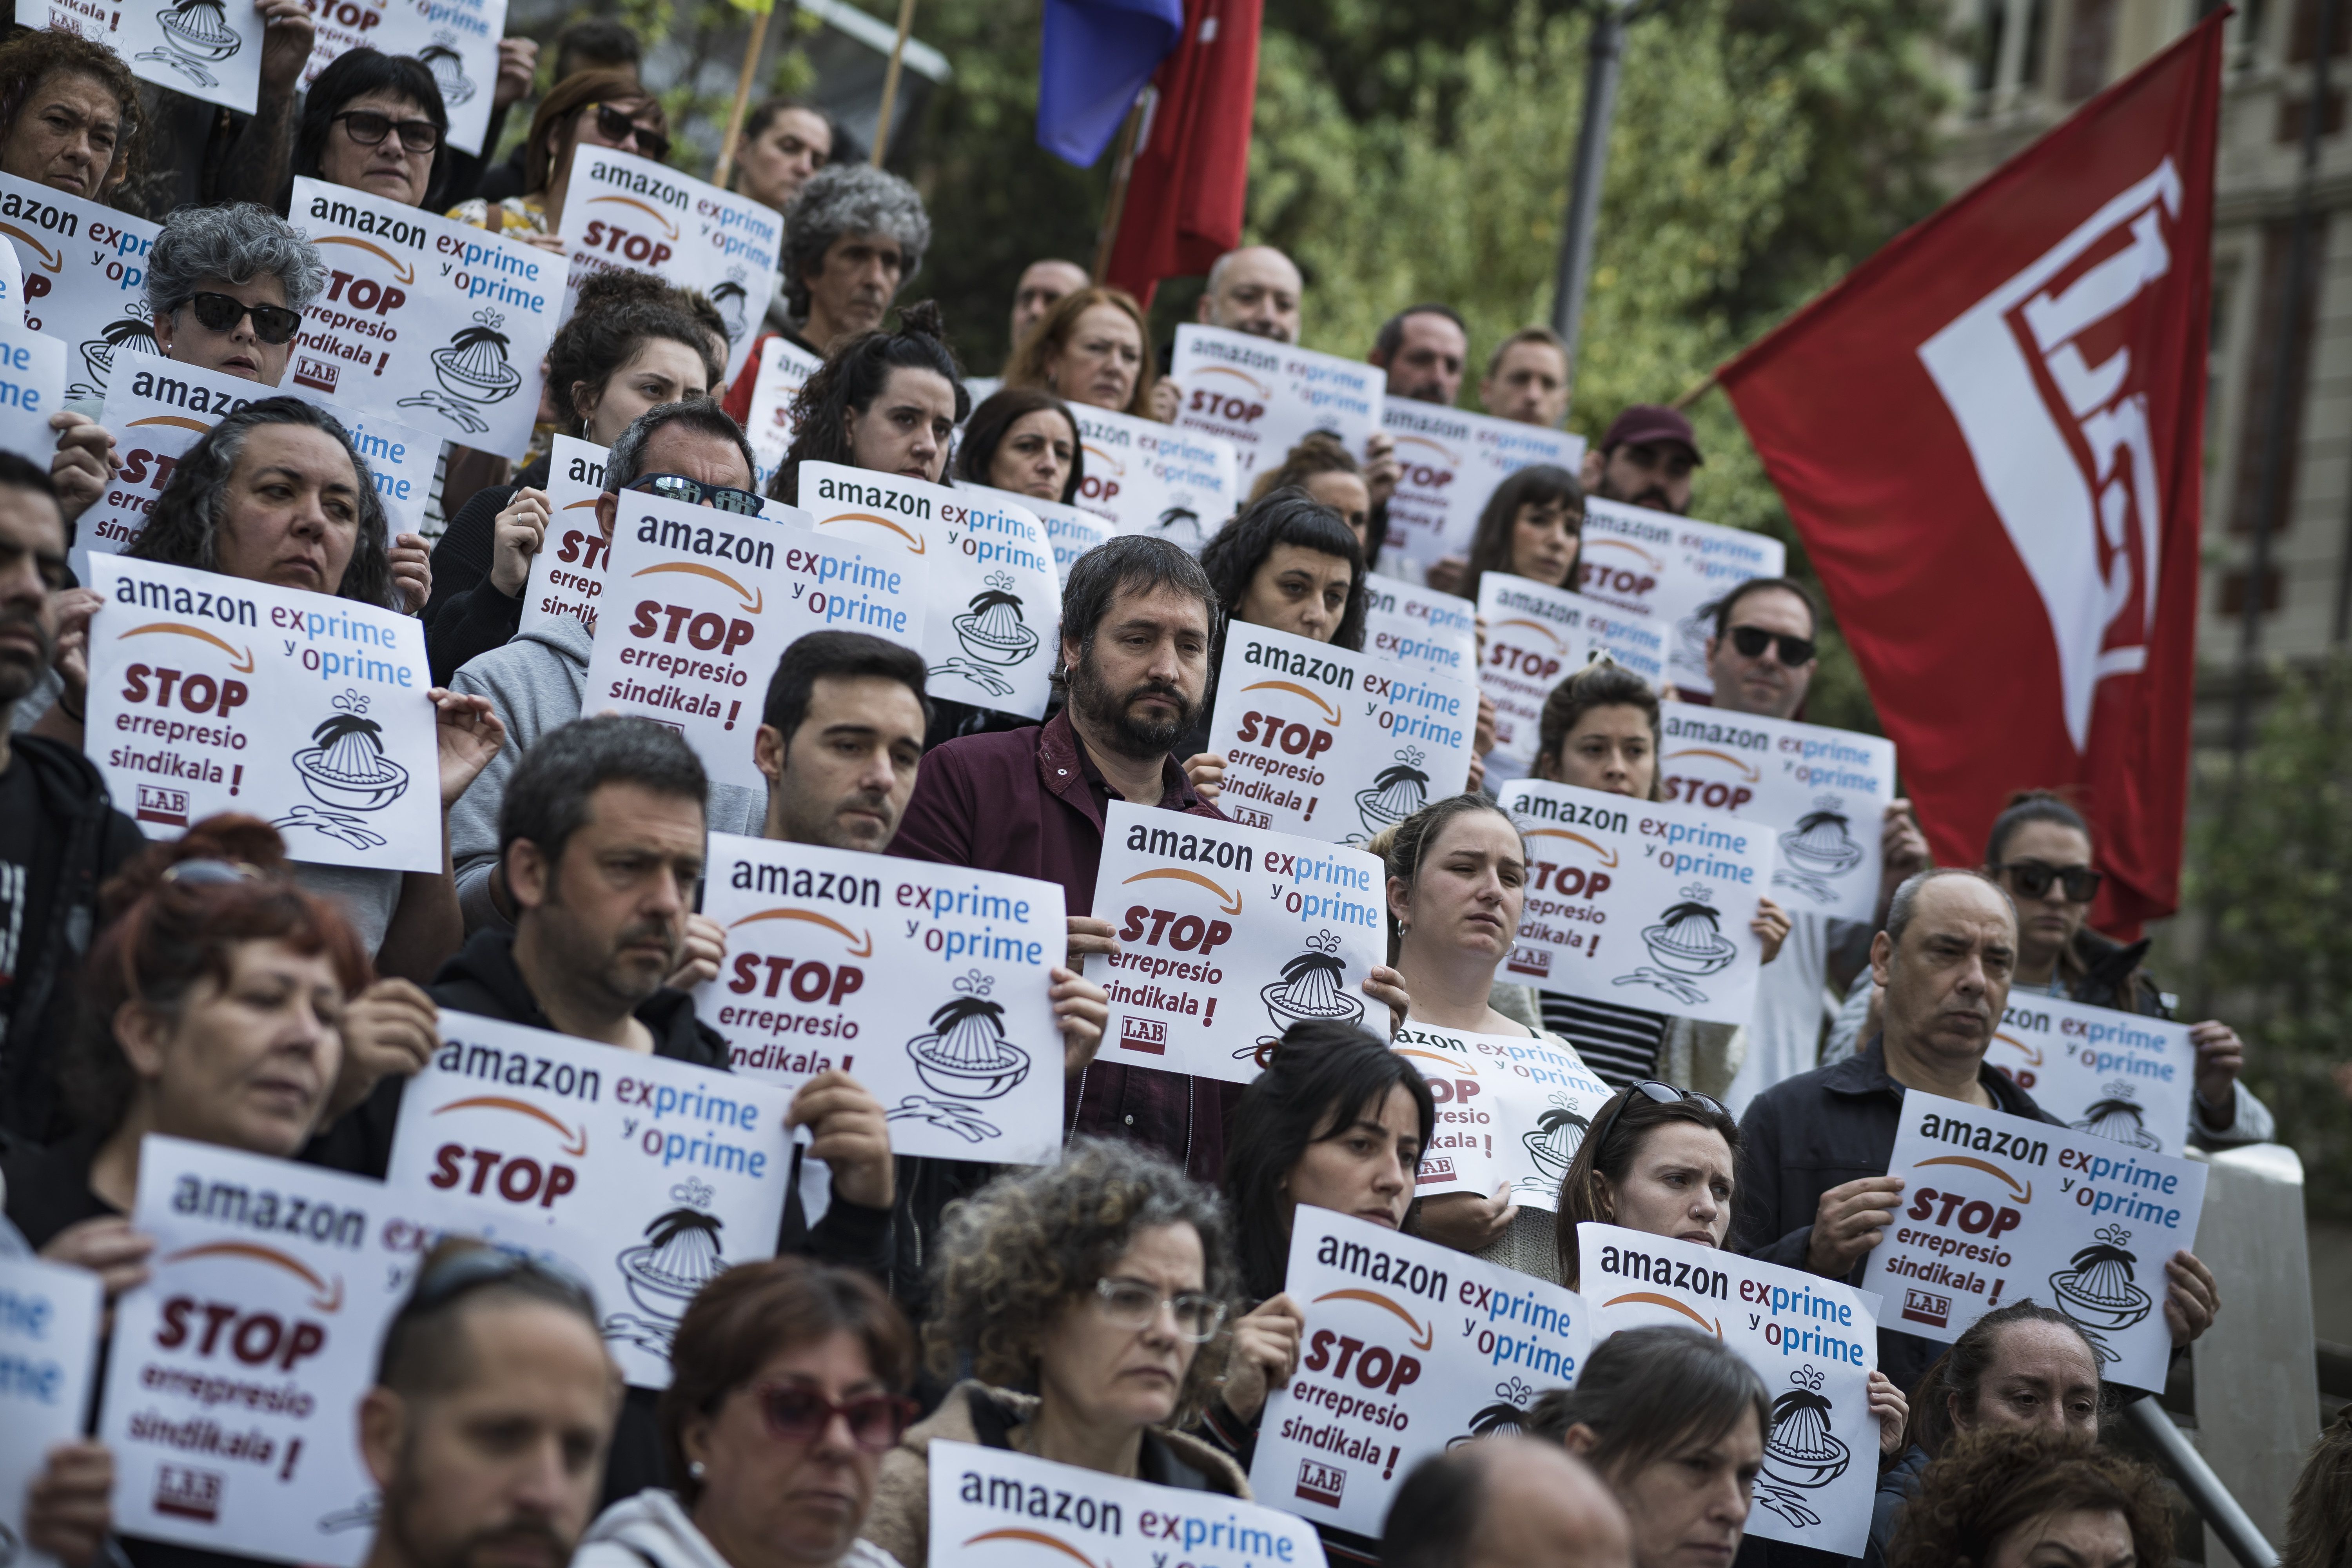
(1814, 1192)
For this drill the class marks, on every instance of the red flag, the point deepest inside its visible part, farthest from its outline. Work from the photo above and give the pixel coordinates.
(1990, 436)
(1185, 197)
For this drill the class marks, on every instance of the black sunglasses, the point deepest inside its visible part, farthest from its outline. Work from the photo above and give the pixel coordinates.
(1657, 1094)
(1751, 642)
(694, 492)
(273, 324)
(799, 1415)
(2033, 878)
(615, 126)
(368, 128)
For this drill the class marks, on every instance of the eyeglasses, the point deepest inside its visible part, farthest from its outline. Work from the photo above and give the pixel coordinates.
(694, 492)
(2033, 878)
(615, 126)
(800, 1415)
(369, 128)
(1657, 1094)
(477, 1266)
(1751, 642)
(1132, 1304)
(273, 324)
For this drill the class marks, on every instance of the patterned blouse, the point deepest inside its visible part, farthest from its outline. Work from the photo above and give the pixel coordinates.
(516, 216)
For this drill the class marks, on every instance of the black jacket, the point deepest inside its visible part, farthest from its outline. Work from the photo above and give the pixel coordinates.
(2101, 972)
(1821, 1130)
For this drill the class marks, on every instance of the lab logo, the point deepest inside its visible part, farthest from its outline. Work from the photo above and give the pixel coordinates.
(1532, 961)
(474, 374)
(680, 1254)
(346, 771)
(1321, 1483)
(196, 34)
(1927, 1307)
(1688, 943)
(2118, 1116)
(1139, 1034)
(1820, 848)
(160, 803)
(2097, 1289)
(183, 1491)
(440, 57)
(964, 1057)
(1805, 1454)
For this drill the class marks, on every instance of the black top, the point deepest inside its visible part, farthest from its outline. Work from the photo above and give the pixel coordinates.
(49, 1189)
(467, 616)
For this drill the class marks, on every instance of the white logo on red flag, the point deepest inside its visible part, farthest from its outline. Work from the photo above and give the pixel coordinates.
(2042, 378)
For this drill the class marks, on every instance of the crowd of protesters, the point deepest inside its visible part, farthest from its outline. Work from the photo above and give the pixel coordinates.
(1124, 1309)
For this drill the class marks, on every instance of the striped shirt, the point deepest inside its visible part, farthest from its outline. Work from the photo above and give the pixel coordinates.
(1619, 1045)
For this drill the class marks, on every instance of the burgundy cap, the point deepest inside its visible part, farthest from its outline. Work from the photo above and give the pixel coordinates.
(1650, 422)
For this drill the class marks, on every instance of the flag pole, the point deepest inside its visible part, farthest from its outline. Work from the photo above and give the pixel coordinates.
(890, 81)
(742, 97)
(1122, 170)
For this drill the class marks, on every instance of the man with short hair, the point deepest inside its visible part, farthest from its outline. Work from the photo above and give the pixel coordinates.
(1424, 350)
(784, 143)
(1042, 286)
(1527, 379)
(1506, 1502)
(493, 1407)
(1814, 1192)
(1255, 289)
(852, 238)
(1645, 459)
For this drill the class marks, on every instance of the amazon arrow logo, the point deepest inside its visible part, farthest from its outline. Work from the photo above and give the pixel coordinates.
(1424, 1335)
(916, 545)
(861, 943)
(325, 1297)
(1233, 900)
(753, 600)
(574, 1143)
(1608, 857)
(175, 628)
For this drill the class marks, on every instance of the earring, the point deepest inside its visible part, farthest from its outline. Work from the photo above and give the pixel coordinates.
(694, 1469)
(1404, 929)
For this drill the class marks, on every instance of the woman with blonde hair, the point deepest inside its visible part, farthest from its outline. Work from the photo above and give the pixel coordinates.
(1091, 348)
(1322, 466)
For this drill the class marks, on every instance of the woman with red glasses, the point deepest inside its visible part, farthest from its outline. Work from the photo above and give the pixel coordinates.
(788, 1384)
(586, 108)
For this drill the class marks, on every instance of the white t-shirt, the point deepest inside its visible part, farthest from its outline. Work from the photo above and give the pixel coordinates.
(1784, 1034)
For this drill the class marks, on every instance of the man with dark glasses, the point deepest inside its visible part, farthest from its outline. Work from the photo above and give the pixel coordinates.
(493, 1407)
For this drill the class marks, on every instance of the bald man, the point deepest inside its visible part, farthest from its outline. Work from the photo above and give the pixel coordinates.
(1254, 290)
(1506, 1502)
(1042, 284)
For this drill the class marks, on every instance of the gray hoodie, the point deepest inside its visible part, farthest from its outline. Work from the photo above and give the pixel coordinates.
(652, 1530)
(535, 683)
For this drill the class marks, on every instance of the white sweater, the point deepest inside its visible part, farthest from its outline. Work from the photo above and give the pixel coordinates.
(651, 1530)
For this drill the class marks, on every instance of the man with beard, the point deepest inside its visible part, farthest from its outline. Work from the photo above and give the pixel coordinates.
(493, 1405)
(1814, 1192)
(1645, 459)
(61, 837)
(1424, 350)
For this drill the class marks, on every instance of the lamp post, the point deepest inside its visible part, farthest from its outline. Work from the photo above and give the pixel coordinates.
(1607, 58)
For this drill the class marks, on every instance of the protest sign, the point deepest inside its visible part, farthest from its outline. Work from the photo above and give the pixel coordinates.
(425, 320)
(1448, 463)
(1262, 395)
(85, 277)
(629, 213)
(1299, 721)
(211, 693)
(959, 1040)
(996, 1508)
(1681, 883)
(568, 574)
(1996, 1207)
(1536, 637)
(208, 49)
(1270, 928)
(991, 631)
(12, 288)
(1812, 1340)
(1421, 628)
(1667, 569)
(1144, 477)
(49, 1342)
(1826, 791)
(1475, 1341)
(457, 40)
(32, 387)
(1069, 531)
(662, 1174)
(1510, 1108)
(234, 1374)
(784, 369)
(2121, 1075)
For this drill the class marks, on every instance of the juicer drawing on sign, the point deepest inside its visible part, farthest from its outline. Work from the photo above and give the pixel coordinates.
(2119, 1117)
(474, 374)
(1559, 1134)
(2097, 1289)
(1803, 1454)
(196, 34)
(1687, 941)
(134, 333)
(680, 1254)
(1396, 793)
(1818, 849)
(1312, 988)
(994, 633)
(345, 770)
(964, 1057)
(440, 57)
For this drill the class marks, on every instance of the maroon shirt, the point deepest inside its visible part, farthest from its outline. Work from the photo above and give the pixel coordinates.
(1031, 803)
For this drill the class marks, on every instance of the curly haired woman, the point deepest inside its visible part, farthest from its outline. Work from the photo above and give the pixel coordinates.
(2022, 1499)
(1101, 1282)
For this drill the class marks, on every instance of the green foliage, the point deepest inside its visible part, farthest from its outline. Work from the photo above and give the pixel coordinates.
(2270, 865)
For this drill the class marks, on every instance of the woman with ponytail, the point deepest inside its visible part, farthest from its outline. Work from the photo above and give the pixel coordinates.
(888, 401)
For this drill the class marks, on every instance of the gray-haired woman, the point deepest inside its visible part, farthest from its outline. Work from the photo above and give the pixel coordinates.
(852, 238)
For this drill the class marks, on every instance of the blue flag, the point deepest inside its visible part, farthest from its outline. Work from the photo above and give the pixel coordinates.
(1098, 54)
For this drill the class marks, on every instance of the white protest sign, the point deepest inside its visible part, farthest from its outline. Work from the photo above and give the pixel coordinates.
(996, 1508)
(32, 387)
(622, 212)
(48, 1351)
(1299, 721)
(211, 693)
(84, 270)
(208, 49)
(1826, 791)
(234, 1374)
(567, 574)
(1421, 628)
(1143, 477)
(1681, 883)
(1666, 569)
(1510, 1108)
(1536, 637)
(991, 635)
(1262, 395)
(1449, 463)
(956, 1033)
(1474, 1342)
(1996, 1207)
(1812, 1340)
(662, 1174)
(12, 287)
(1069, 531)
(705, 603)
(424, 319)
(457, 40)
(2111, 1075)
(784, 369)
(1269, 929)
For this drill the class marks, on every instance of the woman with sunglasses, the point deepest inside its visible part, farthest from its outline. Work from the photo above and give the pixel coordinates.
(376, 123)
(586, 108)
(788, 1383)
(1101, 1282)
(2039, 850)
(1532, 527)
(1025, 440)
